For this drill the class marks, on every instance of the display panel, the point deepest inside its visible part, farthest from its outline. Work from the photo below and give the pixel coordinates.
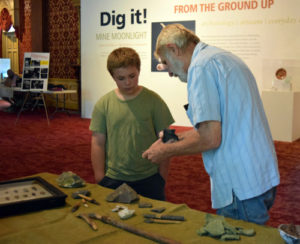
(31, 194)
(36, 71)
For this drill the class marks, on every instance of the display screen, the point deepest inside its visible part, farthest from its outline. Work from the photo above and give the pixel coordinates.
(4, 66)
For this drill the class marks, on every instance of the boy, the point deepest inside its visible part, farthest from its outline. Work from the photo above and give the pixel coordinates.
(125, 122)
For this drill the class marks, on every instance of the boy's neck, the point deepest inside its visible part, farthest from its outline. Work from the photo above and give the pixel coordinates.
(126, 97)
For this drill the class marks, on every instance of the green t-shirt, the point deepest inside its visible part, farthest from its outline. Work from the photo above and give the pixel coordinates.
(130, 127)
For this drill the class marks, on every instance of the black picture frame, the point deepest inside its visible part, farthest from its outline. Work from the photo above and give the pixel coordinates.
(52, 197)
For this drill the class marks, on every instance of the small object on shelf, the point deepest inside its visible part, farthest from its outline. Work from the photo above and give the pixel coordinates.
(281, 81)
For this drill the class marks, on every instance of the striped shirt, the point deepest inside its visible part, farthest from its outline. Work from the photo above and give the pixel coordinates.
(222, 88)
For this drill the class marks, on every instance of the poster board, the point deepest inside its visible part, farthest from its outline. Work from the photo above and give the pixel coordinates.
(258, 31)
(35, 71)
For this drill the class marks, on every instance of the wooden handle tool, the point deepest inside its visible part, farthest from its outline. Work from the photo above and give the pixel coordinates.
(134, 230)
(76, 207)
(161, 221)
(164, 217)
(88, 220)
(89, 199)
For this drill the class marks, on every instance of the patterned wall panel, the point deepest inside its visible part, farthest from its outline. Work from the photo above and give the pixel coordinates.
(25, 42)
(62, 33)
(63, 38)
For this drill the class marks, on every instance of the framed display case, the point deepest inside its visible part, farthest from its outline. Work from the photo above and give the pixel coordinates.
(29, 194)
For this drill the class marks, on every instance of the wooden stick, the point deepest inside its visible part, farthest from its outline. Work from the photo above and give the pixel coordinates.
(151, 236)
(162, 221)
(88, 199)
(75, 207)
(86, 218)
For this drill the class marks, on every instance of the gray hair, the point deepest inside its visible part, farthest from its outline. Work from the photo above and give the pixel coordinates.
(176, 34)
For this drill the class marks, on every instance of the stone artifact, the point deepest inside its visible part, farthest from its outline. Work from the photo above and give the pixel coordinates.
(145, 205)
(169, 136)
(126, 213)
(118, 208)
(123, 194)
(158, 210)
(123, 211)
(218, 228)
(70, 180)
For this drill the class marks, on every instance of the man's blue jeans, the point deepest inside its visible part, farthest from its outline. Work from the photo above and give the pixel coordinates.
(252, 210)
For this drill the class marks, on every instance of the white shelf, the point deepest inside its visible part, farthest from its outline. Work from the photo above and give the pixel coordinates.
(283, 112)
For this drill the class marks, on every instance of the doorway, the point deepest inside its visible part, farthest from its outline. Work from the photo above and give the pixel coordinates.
(10, 49)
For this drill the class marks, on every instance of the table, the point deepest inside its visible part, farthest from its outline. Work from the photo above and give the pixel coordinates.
(60, 225)
(41, 94)
(57, 93)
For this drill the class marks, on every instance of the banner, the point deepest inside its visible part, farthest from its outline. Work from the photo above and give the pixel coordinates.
(256, 30)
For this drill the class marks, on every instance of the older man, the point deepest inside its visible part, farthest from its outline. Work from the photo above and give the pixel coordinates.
(230, 127)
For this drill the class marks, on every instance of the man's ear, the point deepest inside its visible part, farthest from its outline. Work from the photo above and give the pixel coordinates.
(174, 48)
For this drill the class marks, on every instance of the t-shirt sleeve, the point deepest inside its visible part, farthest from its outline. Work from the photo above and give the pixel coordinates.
(98, 121)
(162, 115)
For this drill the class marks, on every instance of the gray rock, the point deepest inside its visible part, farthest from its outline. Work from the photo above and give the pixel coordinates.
(123, 194)
(70, 180)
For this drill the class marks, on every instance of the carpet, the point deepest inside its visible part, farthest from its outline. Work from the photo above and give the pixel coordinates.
(31, 146)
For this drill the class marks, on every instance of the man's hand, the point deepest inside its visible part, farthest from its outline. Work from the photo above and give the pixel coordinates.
(156, 152)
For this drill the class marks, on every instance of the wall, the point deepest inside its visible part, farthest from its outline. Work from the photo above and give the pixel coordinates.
(256, 30)
(25, 40)
(63, 38)
(62, 33)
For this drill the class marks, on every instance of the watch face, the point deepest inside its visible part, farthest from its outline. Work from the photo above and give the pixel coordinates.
(280, 74)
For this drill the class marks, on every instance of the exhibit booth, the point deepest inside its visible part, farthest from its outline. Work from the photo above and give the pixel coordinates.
(264, 33)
